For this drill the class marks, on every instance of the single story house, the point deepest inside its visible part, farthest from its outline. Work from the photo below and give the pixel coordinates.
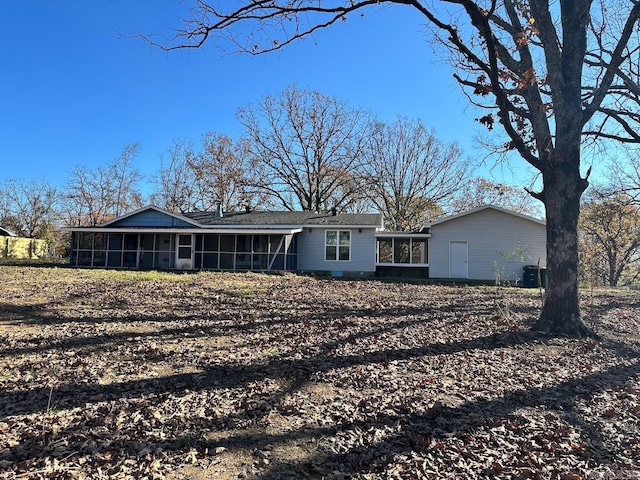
(471, 245)
(153, 238)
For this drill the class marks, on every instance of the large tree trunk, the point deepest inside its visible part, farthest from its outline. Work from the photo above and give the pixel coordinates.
(560, 315)
(614, 275)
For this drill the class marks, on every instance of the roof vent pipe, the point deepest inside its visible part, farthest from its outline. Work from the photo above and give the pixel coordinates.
(334, 211)
(219, 213)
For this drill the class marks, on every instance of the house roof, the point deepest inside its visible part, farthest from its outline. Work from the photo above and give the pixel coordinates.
(6, 233)
(252, 220)
(486, 207)
(264, 218)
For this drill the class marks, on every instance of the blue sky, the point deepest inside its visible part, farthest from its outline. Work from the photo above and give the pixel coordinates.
(73, 91)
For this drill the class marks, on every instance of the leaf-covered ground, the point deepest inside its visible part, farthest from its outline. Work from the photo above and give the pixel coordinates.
(109, 375)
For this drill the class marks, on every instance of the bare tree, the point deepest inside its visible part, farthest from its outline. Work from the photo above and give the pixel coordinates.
(86, 196)
(29, 207)
(480, 191)
(6, 215)
(551, 76)
(94, 196)
(624, 175)
(125, 177)
(306, 148)
(410, 175)
(175, 182)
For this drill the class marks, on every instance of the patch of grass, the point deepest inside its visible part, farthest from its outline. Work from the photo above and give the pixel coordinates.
(5, 374)
(129, 277)
(271, 352)
(182, 442)
(243, 292)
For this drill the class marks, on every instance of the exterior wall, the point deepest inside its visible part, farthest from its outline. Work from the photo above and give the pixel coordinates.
(491, 236)
(311, 251)
(151, 218)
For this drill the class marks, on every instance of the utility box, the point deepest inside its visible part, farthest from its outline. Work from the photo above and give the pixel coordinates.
(530, 277)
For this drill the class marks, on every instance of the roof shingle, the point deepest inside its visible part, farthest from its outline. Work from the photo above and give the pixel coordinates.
(286, 218)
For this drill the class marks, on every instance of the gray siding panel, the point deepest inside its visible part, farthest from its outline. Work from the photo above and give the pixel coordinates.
(311, 249)
(491, 235)
(150, 218)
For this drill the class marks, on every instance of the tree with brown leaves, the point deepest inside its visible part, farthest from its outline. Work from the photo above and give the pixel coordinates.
(610, 239)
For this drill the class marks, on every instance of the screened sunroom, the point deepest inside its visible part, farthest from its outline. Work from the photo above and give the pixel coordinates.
(402, 254)
(257, 251)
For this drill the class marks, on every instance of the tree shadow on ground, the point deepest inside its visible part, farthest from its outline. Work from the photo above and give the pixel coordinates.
(419, 431)
(413, 431)
(68, 396)
(220, 320)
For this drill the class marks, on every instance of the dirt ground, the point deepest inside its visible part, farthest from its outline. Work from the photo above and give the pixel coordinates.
(113, 375)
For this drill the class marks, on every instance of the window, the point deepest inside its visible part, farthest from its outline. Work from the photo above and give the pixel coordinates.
(418, 250)
(184, 246)
(385, 250)
(115, 241)
(337, 245)
(402, 250)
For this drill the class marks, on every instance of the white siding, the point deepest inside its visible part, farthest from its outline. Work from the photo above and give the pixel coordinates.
(491, 236)
(311, 248)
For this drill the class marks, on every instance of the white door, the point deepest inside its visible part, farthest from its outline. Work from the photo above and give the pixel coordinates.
(458, 260)
(184, 257)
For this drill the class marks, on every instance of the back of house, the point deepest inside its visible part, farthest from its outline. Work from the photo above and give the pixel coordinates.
(485, 243)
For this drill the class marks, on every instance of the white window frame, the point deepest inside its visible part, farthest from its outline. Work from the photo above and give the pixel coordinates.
(337, 245)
